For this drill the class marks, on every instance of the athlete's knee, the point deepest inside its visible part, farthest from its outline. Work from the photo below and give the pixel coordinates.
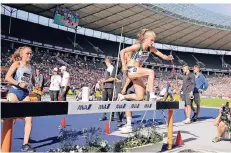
(151, 72)
(11, 97)
(139, 97)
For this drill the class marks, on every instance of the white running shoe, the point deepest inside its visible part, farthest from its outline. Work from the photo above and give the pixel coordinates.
(153, 97)
(127, 129)
(122, 127)
(120, 97)
(187, 121)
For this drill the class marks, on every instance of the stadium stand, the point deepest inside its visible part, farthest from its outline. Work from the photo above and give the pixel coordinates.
(48, 35)
(83, 66)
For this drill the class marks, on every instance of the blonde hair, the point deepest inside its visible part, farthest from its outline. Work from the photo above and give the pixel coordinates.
(142, 34)
(16, 56)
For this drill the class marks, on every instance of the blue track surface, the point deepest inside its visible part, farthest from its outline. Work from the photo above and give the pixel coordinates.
(45, 129)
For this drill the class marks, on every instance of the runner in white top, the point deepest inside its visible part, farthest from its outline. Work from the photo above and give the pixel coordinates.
(55, 85)
(65, 84)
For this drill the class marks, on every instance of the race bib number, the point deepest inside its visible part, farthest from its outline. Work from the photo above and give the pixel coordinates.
(26, 77)
(143, 56)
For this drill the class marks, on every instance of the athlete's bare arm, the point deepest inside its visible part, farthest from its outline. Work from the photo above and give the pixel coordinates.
(158, 53)
(9, 75)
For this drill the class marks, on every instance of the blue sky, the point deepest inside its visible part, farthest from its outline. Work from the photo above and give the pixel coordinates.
(224, 9)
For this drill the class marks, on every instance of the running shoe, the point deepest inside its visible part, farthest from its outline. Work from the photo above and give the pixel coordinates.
(216, 139)
(187, 121)
(104, 118)
(27, 148)
(126, 129)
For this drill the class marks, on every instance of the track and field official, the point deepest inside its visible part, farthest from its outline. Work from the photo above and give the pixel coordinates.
(39, 83)
(201, 86)
(108, 84)
(188, 88)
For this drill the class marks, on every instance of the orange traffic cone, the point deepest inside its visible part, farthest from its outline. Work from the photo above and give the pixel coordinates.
(107, 128)
(63, 122)
(179, 141)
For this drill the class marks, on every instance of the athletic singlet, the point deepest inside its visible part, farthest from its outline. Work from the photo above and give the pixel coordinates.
(23, 74)
(140, 56)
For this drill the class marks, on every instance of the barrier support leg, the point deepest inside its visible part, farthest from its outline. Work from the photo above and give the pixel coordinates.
(170, 128)
(7, 132)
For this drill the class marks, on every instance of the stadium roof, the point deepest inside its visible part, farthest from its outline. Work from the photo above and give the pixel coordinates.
(196, 28)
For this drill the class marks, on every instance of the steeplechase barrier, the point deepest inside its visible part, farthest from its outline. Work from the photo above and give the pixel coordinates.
(11, 110)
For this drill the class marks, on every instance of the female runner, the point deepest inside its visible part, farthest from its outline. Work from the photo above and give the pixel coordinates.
(140, 53)
(20, 75)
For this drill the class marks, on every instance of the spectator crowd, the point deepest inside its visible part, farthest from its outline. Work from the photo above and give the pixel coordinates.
(85, 73)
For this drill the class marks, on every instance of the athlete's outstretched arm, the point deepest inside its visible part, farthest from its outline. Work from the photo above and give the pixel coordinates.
(158, 53)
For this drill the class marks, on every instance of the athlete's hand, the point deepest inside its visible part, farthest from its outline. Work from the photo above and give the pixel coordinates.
(170, 57)
(124, 69)
(23, 84)
(102, 80)
(123, 92)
